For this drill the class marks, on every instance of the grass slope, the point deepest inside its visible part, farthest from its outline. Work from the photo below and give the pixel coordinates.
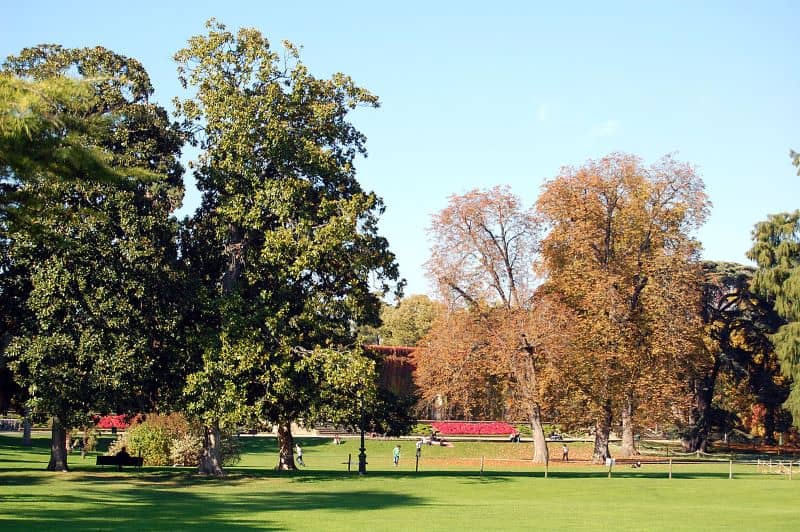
(447, 494)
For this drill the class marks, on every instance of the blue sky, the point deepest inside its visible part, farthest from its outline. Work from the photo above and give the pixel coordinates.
(478, 94)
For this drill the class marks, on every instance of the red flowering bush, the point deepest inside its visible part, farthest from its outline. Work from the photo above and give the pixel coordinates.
(473, 428)
(112, 422)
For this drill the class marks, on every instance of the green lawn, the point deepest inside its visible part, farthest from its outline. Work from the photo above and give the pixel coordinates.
(447, 494)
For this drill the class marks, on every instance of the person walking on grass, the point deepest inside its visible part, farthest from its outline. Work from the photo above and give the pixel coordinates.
(299, 452)
(564, 453)
(396, 455)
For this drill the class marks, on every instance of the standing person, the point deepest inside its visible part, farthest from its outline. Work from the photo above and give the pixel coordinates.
(419, 447)
(564, 453)
(299, 452)
(396, 454)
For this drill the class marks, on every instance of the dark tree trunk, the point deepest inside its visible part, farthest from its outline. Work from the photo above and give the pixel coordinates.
(541, 454)
(628, 442)
(696, 438)
(285, 447)
(58, 447)
(26, 428)
(235, 249)
(769, 425)
(601, 435)
(211, 457)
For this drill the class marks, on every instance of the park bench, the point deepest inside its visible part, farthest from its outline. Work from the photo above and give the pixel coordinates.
(119, 461)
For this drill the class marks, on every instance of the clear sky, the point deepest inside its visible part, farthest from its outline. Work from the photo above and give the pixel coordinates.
(485, 93)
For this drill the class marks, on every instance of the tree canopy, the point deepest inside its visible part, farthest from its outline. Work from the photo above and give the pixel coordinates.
(97, 249)
(776, 251)
(293, 258)
(619, 250)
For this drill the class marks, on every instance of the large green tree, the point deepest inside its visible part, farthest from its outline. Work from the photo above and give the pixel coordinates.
(98, 245)
(776, 251)
(293, 257)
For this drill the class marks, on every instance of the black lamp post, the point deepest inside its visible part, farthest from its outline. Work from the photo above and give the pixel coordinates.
(362, 456)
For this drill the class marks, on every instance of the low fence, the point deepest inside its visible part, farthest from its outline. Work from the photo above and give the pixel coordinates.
(666, 468)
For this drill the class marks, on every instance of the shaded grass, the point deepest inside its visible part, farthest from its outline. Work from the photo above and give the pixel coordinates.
(325, 497)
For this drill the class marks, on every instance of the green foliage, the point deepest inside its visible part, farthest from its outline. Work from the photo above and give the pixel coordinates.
(409, 321)
(525, 429)
(285, 226)
(391, 413)
(149, 441)
(420, 429)
(776, 250)
(97, 249)
(171, 439)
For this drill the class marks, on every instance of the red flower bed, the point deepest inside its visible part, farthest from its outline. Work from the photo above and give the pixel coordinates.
(111, 422)
(478, 427)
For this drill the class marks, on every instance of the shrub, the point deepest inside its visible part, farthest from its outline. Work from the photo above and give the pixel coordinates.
(151, 442)
(420, 429)
(172, 440)
(113, 422)
(186, 450)
(524, 429)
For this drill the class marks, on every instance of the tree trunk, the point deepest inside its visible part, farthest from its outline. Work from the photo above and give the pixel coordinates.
(58, 447)
(285, 447)
(628, 443)
(211, 457)
(26, 428)
(696, 438)
(541, 454)
(769, 425)
(601, 436)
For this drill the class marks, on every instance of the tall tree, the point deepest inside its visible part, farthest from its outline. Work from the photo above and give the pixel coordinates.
(293, 246)
(776, 251)
(737, 327)
(484, 247)
(99, 249)
(620, 252)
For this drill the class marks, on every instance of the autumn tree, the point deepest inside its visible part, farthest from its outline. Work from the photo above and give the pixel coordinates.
(98, 246)
(619, 251)
(776, 251)
(456, 371)
(482, 258)
(285, 236)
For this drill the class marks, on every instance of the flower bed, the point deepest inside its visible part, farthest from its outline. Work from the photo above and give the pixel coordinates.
(473, 428)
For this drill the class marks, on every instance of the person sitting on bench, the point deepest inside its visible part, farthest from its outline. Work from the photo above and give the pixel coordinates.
(123, 457)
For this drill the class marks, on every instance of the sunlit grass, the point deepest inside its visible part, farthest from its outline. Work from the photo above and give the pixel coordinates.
(448, 493)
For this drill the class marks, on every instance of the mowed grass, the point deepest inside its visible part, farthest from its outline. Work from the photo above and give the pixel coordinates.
(448, 493)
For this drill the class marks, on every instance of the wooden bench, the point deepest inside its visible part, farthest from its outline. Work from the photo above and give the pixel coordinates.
(119, 461)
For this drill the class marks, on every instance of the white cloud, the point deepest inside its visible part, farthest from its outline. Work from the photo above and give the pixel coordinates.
(606, 129)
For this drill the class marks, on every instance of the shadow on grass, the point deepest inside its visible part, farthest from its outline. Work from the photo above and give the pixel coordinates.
(136, 507)
(20, 480)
